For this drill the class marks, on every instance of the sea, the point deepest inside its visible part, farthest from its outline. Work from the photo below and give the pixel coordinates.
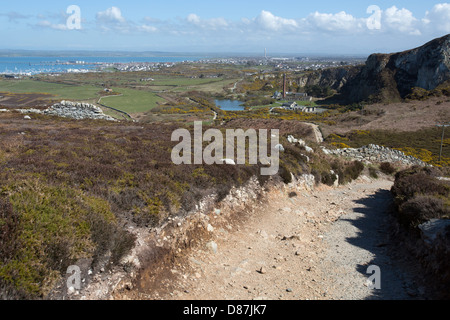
(36, 65)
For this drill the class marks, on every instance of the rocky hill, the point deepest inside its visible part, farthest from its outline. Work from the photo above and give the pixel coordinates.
(335, 78)
(391, 77)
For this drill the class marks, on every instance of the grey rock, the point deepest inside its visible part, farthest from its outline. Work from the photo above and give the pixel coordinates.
(279, 147)
(433, 228)
(212, 246)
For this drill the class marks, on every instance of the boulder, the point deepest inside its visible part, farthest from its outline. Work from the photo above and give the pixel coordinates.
(432, 229)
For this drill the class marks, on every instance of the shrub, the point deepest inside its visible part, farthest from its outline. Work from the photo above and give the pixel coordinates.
(9, 246)
(387, 168)
(419, 196)
(353, 171)
(414, 182)
(328, 178)
(373, 173)
(285, 174)
(58, 225)
(421, 209)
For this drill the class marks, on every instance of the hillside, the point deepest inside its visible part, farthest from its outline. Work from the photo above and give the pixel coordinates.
(391, 77)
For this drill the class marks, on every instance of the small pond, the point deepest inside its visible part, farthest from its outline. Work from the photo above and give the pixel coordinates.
(230, 105)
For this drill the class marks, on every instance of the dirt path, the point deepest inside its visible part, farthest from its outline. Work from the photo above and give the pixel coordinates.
(315, 245)
(317, 133)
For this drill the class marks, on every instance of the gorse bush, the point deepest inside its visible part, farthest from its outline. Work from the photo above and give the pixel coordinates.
(425, 145)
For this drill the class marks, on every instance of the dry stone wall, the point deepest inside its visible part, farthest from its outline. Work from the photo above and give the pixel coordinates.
(68, 109)
(377, 154)
(77, 110)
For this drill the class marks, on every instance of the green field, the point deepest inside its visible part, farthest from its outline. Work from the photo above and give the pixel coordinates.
(132, 101)
(182, 84)
(62, 91)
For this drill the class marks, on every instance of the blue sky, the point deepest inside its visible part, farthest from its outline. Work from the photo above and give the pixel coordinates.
(343, 27)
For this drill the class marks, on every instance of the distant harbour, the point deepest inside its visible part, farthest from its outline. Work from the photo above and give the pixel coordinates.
(37, 65)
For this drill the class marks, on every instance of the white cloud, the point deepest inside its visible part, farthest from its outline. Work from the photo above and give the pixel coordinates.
(111, 15)
(401, 20)
(14, 16)
(269, 21)
(268, 29)
(193, 18)
(147, 28)
(112, 19)
(338, 22)
(48, 24)
(438, 18)
(207, 24)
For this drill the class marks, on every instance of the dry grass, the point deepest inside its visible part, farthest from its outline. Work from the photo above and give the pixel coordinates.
(405, 116)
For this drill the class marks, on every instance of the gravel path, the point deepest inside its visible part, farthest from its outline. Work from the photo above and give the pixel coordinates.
(360, 239)
(315, 245)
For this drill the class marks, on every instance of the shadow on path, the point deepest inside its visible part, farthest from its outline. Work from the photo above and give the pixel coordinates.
(371, 217)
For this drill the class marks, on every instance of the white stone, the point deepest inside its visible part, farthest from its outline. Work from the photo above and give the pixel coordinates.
(229, 161)
(212, 246)
(309, 149)
(279, 147)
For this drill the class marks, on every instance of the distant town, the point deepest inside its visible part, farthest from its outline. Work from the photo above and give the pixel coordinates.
(295, 64)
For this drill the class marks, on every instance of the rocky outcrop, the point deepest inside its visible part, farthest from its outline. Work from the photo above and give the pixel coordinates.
(335, 78)
(379, 154)
(391, 77)
(77, 111)
(68, 109)
(433, 229)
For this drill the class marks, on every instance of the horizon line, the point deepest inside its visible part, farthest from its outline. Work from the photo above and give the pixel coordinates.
(189, 53)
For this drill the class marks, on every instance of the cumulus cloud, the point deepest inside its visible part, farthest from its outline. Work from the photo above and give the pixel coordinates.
(401, 20)
(267, 27)
(193, 18)
(338, 22)
(207, 24)
(438, 18)
(111, 15)
(269, 21)
(112, 19)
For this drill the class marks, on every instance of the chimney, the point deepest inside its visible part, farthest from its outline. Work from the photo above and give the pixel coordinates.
(284, 86)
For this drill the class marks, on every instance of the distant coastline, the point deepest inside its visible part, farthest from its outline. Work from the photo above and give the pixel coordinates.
(82, 53)
(31, 65)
